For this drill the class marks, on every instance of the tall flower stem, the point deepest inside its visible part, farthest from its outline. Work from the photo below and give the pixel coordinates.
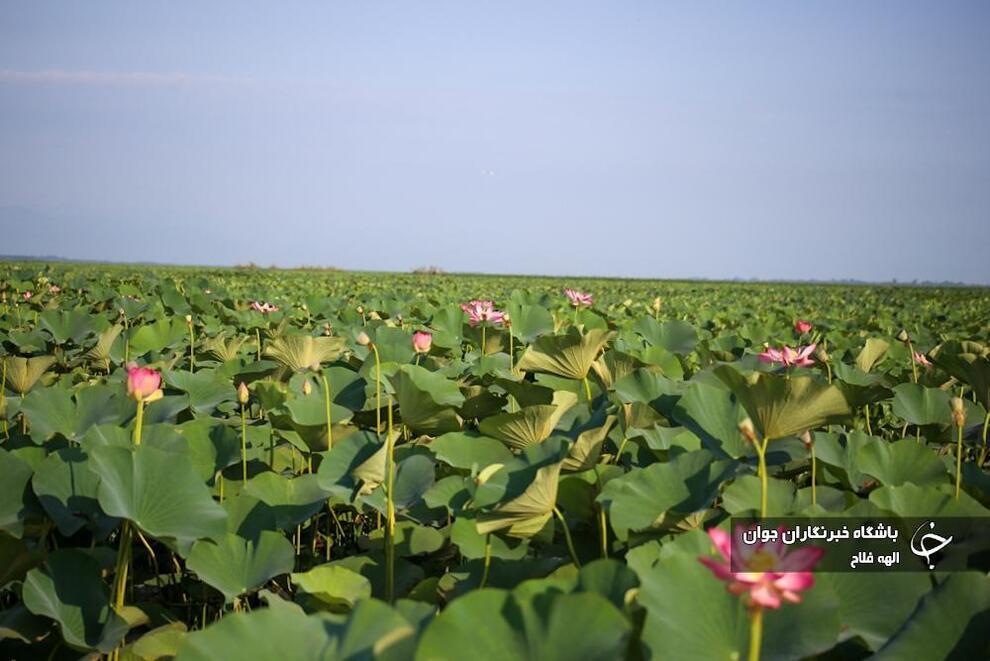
(378, 391)
(257, 339)
(814, 470)
(484, 344)
(567, 536)
(959, 453)
(587, 389)
(914, 368)
(326, 402)
(983, 450)
(389, 510)
(761, 453)
(488, 560)
(243, 444)
(122, 567)
(192, 347)
(755, 633)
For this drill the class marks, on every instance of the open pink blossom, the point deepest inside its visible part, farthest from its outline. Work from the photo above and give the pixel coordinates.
(54, 289)
(263, 308)
(422, 341)
(788, 357)
(773, 573)
(482, 311)
(27, 296)
(922, 359)
(578, 298)
(143, 383)
(802, 326)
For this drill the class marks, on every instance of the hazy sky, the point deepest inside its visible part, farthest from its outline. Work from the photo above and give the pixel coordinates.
(655, 139)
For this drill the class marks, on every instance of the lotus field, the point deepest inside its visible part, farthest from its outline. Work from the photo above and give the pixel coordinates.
(267, 464)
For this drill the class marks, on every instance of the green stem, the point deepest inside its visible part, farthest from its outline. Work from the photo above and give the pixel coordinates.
(243, 444)
(761, 452)
(257, 339)
(138, 421)
(484, 344)
(512, 358)
(389, 511)
(326, 402)
(122, 566)
(914, 368)
(587, 389)
(488, 560)
(378, 391)
(192, 348)
(755, 633)
(814, 470)
(983, 450)
(567, 536)
(959, 451)
(866, 412)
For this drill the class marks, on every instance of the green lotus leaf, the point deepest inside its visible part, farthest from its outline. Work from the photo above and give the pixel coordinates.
(69, 590)
(874, 605)
(530, 425)
(464, 450)
(158, 490)
(495, 624)
(783, 406)
(529, 321)
(901, 462)
(526, 514)
(569, 356)
(587, 447)
(162, 334)
(912, 500)
(474, 545)
(743, 496)
(526, 393)
(332, 587)
(18, 623)
(73, 325)
(55, 410)
(970, 363)
(16, 499)
(16, 559)
(67, 489)
(919, 405)
(427, 400)
(235, 565)
(223, 349)
(355, 464)
(660, 495)
(713, 415)
(101, 352)
(23, 373)
(159, 643)
(614, 365)
(300, 352)
(872, 353)
(205, 388)
(675, 336)
(410, 539)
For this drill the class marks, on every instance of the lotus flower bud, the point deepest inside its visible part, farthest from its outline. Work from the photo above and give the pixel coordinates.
(903, 337)
(243, 395)
(360, 309)
(315, 367)
(363, 339)
(422, 341)
(143, 383)
(656, 304)
(747, 430)
(802, 326)
(807, 439)
(189, 320)
(822, 355)
(307, 387)
(958, 411)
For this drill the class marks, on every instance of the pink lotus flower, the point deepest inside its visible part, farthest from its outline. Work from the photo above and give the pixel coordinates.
(263, 308)
(482, 311)
(422, 341)
(773, 574)
(802, 326)
(578, 298)
(143, 383)
(54, 289)
(921, 359)
(788, 357)
(27, 296)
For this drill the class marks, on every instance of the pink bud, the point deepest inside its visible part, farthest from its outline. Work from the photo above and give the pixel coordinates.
(422, 341)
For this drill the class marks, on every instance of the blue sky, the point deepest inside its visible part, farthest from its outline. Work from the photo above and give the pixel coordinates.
(649, 139)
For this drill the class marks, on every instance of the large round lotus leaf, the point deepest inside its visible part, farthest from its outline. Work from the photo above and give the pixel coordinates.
(530, 425)
(158, 491)
(18, 623)
(214, 446)
(471, 544)
(68, 589)
(299, 352)
(780, 406)
(873, 352)
(675, 336)
(663, 493)
(67, 489)
(875, 605)
(569, 356)
(900, 463)
(357, 461)
(745, 493)
(526, 393)
(648, 387)
(334, 588)
(910, 500)
(16, 499)
(427, 400)
(530, 321)
(204, 389)
(311, 411)
(159, 643)
(690, 615)
(72, 325)
(970, 363)
(713, 415)
(281, 631)
(919, 405)
(372, 566)
(23, 373)
(610, 578)
(410, 539)
(951, 622)
(614, 365)
(162, 334)
(463, 450)
(526, 514)
(587, 447)
(53, 410)
(415, 473)
(494, 624)
(235, 565)
(860, 388)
